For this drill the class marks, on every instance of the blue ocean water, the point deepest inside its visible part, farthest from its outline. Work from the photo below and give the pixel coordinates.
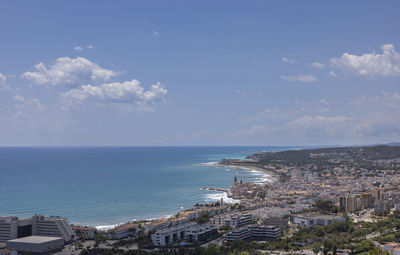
(101, 186)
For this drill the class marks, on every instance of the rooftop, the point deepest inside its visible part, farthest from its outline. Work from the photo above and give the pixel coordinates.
(35, 239)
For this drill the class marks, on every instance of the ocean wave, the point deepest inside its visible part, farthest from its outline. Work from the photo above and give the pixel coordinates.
(207, 163)
(107, 227)
(216, 196)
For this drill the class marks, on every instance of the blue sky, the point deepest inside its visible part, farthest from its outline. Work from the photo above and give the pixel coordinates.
(199, 72)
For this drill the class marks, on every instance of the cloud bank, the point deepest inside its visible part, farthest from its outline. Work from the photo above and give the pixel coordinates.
(69, 71)
(370, 64)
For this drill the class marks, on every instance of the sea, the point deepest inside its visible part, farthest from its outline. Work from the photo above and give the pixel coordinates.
(107, 186)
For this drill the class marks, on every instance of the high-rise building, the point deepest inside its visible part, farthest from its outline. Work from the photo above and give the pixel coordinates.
(351, 204)
(8, 228)
(376, 194)
(367, 200)
(51, 226)
(342, 203)
(11, 227)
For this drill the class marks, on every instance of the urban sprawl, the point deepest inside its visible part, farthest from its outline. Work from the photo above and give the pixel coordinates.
(342, 200)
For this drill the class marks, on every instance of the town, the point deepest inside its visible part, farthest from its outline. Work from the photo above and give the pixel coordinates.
(320, 201)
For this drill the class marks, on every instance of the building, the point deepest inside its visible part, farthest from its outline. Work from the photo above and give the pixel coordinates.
(234, 220)
(12, 228)
(311, 220)
(36, 245)
(381, 207)
(264, 232)
(351, 204)
(342, 203)
(276, 221)
(200, 234)
(53, 226)
(84, 232)
(367, 200)
(8, 252)
(392, 248)
(8, 228)
(254, 233)
(243, 233)
(123, 231)
(189, 232)
(376, 194)
(155, 225)
(397, 206)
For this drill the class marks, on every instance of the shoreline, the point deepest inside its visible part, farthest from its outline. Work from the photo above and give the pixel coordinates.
(258, 170)
(266, 176)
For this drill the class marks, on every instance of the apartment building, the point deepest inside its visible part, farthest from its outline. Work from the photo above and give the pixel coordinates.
(233, 220)
(123, 231)
(276, 221)
(84, 232)
(311, 220)
(253, 232)
(8, 228)
(189, 232)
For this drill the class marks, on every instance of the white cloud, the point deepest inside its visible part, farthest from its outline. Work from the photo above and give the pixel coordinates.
(156, 33)
(3, 84)
(382, 102)
(78, 48)
(71, 71)
(239, 92)
(90, 46)
(300, 78)
(317, 65)
(286, 60)
(316, 121)
(371, 64)
(333, 74)
(3, 78)
(26, 108)
(128, 92)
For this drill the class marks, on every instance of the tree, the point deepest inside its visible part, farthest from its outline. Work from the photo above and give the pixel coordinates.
(316, 248)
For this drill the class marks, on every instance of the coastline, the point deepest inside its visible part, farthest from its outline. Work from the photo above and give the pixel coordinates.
(266, 176)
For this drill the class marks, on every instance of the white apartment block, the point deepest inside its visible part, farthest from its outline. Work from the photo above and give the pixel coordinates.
(311, 220)
(253, 232)
(8, 228)
(234, 220)
(189, 232)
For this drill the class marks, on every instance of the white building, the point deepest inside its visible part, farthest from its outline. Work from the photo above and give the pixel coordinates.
(39, 225)
(167, 236)
(253, 232)
(243, 233)
(234, 220)
(189, 232)
(311, 220)
(84, 232)
(51, 226)
(8, 228)
(123, 231)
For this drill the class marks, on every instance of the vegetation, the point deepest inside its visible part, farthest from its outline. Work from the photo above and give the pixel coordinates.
(325, 158)
(204, 218)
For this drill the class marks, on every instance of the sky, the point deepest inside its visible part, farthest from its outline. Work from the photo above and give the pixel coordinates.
(207, 73)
